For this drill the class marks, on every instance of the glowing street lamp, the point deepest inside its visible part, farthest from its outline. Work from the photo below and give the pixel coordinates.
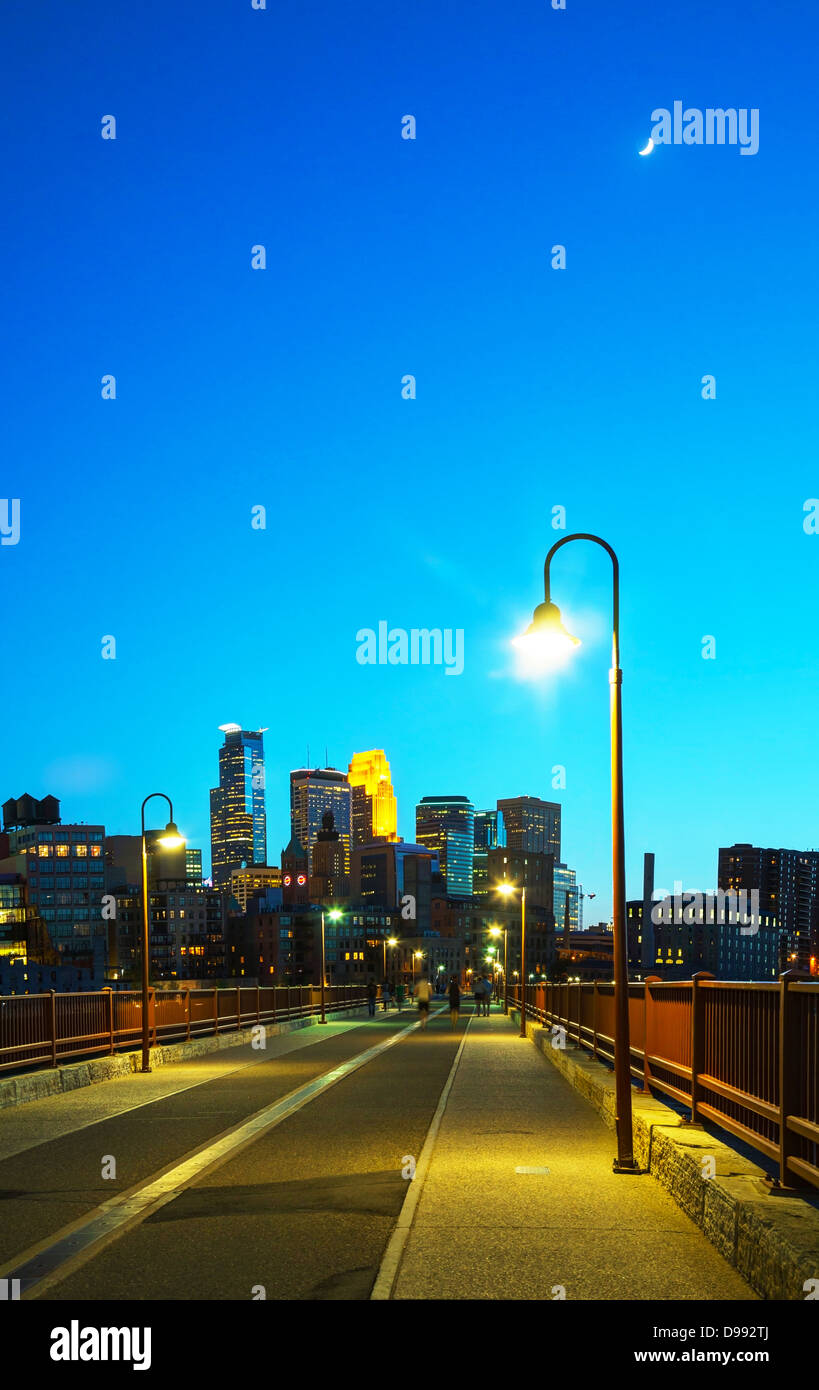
(507, 889)
(334, 915)
(416, 955)
(388, 941)
(169, 839)
(496, 931)
(545, 645)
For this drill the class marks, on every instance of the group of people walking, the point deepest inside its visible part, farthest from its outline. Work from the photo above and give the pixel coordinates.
(422, 992)
(391, 995)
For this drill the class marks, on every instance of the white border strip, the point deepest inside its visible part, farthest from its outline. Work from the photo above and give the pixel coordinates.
(391, 1262)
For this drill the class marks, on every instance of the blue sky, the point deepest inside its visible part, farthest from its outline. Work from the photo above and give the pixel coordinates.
(535, 388)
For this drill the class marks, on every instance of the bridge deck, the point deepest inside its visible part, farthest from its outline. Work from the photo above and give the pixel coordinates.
(250, 1171)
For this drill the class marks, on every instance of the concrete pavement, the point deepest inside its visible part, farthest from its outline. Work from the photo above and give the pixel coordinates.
(483, 1230)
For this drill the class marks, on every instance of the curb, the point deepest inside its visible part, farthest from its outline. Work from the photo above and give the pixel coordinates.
(56, 1081)
(772, 1241)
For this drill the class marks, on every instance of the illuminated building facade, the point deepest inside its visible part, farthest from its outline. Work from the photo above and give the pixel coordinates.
(238, 829)
(374, 810)
(63, 867)
(490, 833)
(257, 878)
(387, 875)
(446, 825)
(566, 885)
(314, 791)
(532, 824)
(787, 881)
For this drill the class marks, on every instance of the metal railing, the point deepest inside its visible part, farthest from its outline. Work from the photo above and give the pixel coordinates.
(48, 1029)
(743, 1056)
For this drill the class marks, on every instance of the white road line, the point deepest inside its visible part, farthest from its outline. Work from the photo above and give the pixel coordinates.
(51, 1261)
(391, 1262)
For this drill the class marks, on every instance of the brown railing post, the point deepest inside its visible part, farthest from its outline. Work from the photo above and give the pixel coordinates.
(216, 1012)
(152, 1016)
(53, 1012)
(257, 1003)
(648, 1028)
(697, 1038)
(791, 1071)
(109, 992)
(287, 1000)
(594, 1018)
(188, 1015)
(238, 1007)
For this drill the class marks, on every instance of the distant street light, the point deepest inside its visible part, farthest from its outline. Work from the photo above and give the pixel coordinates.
(388, 941)
(334, 915)
(546, 643)
(169, 839)
(507, 889)
(496, 931)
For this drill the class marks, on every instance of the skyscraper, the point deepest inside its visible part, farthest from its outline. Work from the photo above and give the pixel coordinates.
(312, 792)
(374, 814)
(238, 829)
(787, 881)
(446, 824)
(490, 833)
(532, 824)
(565, 880)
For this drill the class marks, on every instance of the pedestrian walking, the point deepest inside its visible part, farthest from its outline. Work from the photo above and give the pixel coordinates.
(477, 990)
(371, 997)
(399, 995)
(385, 995)
(423, 994)
(487, 994)
(454, 1002)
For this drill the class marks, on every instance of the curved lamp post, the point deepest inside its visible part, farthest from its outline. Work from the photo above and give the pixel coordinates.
(547, 637)
(170, 839)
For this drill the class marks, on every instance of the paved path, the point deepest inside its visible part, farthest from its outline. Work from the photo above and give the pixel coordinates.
(579, 1231)
(286, 1171)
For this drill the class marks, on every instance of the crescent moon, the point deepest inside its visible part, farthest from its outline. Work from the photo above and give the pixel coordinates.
(649, 147)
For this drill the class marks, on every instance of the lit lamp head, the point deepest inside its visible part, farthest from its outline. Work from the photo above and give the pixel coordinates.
(392, 940)
(334, 915)
(545, 644)
(507, 889)
(170, 837)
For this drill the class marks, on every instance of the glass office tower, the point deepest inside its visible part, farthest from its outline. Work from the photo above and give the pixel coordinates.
(446, 824)
(490, 833)
(312, 792)
(532, 824)
(238, 828)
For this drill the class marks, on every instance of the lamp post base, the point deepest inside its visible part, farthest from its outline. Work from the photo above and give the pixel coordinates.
(626, 1165)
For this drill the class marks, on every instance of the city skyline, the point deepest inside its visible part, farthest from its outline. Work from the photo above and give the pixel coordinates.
(669, 880)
